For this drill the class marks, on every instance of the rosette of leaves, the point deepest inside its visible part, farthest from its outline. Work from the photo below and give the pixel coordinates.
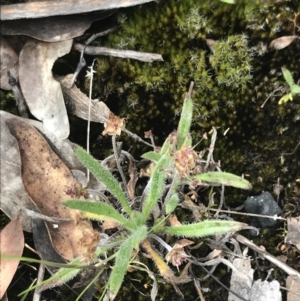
(134, 224)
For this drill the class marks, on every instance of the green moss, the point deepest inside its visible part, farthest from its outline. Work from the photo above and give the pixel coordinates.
(232, 78)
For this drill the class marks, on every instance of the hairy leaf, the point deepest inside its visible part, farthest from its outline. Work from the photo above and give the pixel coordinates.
(123, 259)
(185, 121)
(205, 228)
(288, 77)
(223, 178)
(63, 275)
(152, 156)
(172, 203)
(98, 210)
(104, 176)
(155, 185)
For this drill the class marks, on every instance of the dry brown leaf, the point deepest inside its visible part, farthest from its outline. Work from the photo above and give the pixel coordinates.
(293, 288)
(52, 29)
(42, 92)
(38, 9)
(174, 220)
(11, 243)
(13, 193)
(114, 126)
(48, 182)
(293, 234)
(238, 284)
(177, 254)
(282, 42)
(8, 62)
(109, 224)
(198, 211)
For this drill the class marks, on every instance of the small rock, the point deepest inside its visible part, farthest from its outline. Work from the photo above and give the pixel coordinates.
(262, 204)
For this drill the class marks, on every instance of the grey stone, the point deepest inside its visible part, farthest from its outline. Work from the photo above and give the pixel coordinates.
(262, 204)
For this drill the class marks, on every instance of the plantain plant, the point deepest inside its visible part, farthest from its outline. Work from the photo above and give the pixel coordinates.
(177, 163)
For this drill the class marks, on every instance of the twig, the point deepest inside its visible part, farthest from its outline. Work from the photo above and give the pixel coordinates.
(127, 54)
(211, 148)
(221, 201)
(198, 289)
(249, 214)
(270, 95)
(33, 214)
(118, 163)
(136, 137)
(90, 75)
(288, 154)
(290, 271)
(82, 62)
(217, 280)
(40, 278)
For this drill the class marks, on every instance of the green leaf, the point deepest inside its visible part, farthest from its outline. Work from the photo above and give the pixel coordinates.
(155, 185)
(285, 98)
(288, 77)
(104, 176)
(137, 218)
(223, 178)
(167, 146)
(172, 203)
(152, 156)
(187, 140)
(295, 89)
(59, 278)
(228, 1)
(123, 259)
(205, 228)
(99, 211)
(185, 121)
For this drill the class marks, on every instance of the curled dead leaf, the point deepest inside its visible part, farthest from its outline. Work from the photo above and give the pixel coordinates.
(11, 243)
(13, 194)
(114, 126)
(52, 29)
(177, 254)
(48, 182)
(42, 92)
(293, 234)
(282, 42)
(174, 221)
(38, 9)
(8, 62)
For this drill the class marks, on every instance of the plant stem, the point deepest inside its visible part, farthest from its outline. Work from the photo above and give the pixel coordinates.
(114, 144)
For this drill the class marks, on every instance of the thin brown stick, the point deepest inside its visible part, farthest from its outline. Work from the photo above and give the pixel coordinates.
(287, 269)
(129, 54)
